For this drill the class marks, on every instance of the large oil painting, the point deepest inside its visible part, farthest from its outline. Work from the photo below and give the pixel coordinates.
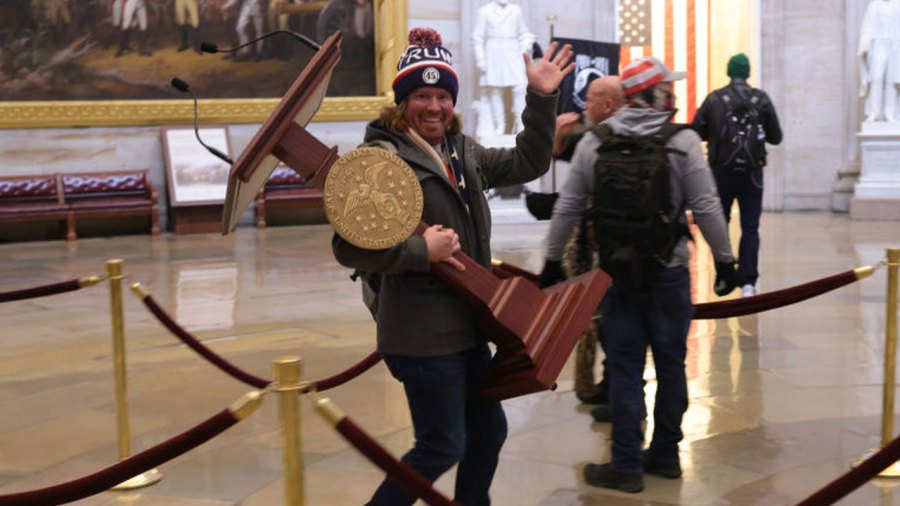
(84, 53)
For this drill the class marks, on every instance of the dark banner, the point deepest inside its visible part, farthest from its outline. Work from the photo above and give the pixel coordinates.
(592, 60)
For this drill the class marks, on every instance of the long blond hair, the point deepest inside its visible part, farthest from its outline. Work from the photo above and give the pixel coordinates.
(394, 118)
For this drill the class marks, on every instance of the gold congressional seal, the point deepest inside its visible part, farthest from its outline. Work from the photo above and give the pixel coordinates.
(372, 198)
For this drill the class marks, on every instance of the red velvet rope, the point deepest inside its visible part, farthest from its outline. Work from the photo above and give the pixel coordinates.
(397, 470)
(197, 346)
(40, 291)
(345, 376)
(771, 300)
(856, 477)
(238, 373)
(734, 307)
(125, 469)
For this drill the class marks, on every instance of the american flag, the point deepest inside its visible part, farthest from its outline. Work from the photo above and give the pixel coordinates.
(676, 32)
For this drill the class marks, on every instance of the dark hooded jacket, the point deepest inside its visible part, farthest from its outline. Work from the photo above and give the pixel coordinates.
(417, 314)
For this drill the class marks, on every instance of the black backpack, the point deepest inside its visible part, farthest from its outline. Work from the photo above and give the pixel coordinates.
(634, 232)
(742, 141)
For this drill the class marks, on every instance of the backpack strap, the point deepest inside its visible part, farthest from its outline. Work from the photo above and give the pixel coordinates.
(723, 96)
(602, 131)
(733, 96)
(730, 96)
(666, 132)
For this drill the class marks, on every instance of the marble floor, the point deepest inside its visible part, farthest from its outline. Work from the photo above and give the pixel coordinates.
(781, 402)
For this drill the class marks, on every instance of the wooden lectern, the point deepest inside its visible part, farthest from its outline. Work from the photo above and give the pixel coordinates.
(284, 137)
(535, 330)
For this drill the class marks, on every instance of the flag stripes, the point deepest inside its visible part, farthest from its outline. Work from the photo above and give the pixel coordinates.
(678, 36)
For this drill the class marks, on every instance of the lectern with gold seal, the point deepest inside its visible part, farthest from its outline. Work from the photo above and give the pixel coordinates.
(373, 199)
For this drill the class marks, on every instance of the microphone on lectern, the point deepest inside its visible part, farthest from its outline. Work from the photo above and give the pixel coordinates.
(180, 85)
(183, 87)
(207, 47)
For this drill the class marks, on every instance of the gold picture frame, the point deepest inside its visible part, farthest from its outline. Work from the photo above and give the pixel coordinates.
(390, 41)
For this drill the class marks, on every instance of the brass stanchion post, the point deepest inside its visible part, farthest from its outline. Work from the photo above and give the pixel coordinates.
(114, 272)
(890, 362)
(890, 347)
(287, 384)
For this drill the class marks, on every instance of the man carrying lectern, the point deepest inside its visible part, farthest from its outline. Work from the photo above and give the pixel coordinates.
(427, 334)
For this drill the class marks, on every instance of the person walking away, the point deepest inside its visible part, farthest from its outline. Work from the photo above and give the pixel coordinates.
(737, 121)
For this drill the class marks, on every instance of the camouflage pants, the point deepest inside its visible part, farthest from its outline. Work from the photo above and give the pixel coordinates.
(578, 258)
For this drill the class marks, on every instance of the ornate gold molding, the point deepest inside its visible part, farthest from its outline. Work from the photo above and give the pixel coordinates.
(171, 112)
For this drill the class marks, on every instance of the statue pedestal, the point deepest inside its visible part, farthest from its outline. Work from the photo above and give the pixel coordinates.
(508, 203)
(877, 194)
(498, 141)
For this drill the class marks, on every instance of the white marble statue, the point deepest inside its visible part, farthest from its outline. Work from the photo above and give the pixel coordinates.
(879, 58)
(499, 39)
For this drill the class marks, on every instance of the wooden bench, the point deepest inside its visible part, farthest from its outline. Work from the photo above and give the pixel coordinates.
(70, 197)
(285, 188)
(110, 195)
(32, 198)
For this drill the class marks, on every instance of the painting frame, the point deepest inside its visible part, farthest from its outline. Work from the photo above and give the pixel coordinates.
(183, 160)
(390, 41)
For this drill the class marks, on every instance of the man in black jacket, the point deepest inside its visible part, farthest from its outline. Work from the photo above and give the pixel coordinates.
(737, 121)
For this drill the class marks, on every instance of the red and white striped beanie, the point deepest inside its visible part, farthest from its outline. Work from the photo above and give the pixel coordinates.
(645, 73)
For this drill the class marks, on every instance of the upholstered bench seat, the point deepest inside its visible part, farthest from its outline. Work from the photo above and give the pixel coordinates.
(37, 210)
(110, 195)
(99, 204)
(32, 198)
(67, 197)
(311, 195)
(285, 188)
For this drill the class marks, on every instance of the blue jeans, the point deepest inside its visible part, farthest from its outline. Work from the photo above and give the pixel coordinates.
(659, 318)
(747, 188)
(452, 423)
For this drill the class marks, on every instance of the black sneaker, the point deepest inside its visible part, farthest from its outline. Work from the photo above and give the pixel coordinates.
(601, 413)
(666, 468)
(598, 397)
(604, 476)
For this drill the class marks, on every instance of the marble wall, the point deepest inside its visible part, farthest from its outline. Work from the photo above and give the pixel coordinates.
(808, 66)
(803, 54)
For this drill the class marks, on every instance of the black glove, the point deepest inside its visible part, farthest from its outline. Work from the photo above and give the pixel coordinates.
(552, 273)
(726, 278)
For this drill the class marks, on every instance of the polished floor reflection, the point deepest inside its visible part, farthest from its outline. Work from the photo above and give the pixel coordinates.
(781, 402)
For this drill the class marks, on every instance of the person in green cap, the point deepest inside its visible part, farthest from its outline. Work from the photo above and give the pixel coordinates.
(737, 121)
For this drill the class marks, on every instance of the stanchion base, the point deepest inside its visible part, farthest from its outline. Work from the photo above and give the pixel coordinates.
(142, 480)
(891, 471)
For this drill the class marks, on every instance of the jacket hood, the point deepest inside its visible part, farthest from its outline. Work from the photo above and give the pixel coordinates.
(376, 132)
(638, 122)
